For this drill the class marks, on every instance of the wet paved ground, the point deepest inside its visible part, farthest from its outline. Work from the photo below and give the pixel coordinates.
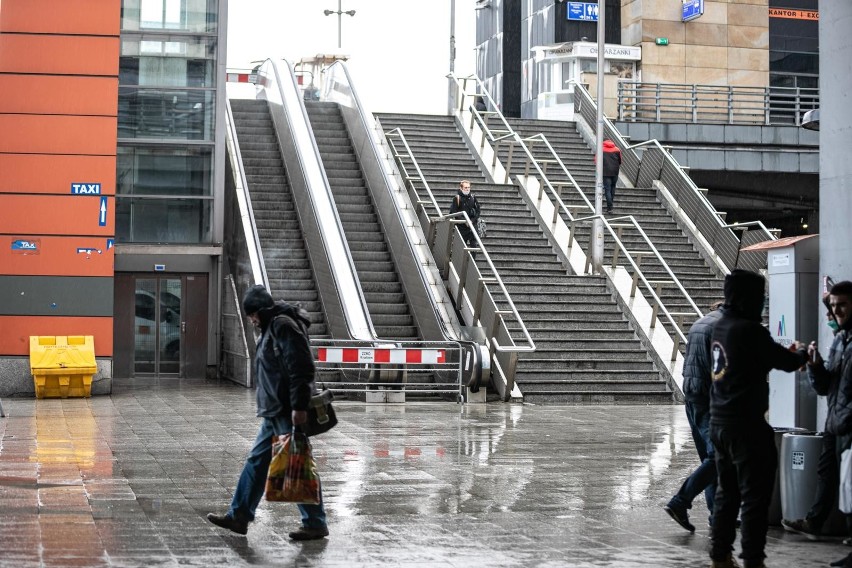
(126, 480)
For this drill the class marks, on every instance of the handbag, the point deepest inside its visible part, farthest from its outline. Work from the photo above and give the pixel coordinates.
(293, 476)
(481, 228)
(845, 501)
(321, 415)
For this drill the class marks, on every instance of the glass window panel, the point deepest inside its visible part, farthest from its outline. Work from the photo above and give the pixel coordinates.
(156, 171)
(197, 16)
(168, 61)
(151, 220)
(182, 115)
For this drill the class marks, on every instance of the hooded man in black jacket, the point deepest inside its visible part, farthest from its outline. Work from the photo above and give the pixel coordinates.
(743, 352)
(284, 369)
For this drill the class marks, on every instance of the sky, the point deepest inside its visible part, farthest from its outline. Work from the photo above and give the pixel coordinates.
(399, 50)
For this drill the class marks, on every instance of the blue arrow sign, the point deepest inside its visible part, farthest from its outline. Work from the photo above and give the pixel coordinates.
(110, 243)
(582, 11)
(102, 212)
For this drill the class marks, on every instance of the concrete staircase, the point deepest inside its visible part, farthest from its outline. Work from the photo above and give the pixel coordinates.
(284, 253)
(700, 280)
(586, 350)
(383, 291)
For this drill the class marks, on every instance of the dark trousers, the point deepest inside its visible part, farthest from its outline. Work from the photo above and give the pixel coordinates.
(704, 477)
(746, 460)
(828, 482)
(609, 190)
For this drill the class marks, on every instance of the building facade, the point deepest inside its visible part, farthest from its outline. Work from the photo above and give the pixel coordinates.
(748, 43)
(111, 184)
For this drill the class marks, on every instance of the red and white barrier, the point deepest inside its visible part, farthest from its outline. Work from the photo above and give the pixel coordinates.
(241, 77)
(369, 355)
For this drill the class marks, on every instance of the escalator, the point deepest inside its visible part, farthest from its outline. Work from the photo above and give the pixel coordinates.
(386, 299)
(278, 227)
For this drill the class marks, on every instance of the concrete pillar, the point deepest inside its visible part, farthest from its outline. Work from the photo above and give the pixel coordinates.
(835, 175)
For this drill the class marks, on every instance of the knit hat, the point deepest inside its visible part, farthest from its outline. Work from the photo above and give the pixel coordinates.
(745, 292)
(256, 299)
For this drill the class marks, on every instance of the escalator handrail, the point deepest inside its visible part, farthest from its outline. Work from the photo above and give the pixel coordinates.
(255, 251)
(335, 244)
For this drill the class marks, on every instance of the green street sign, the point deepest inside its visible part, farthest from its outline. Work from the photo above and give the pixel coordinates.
(662, 41)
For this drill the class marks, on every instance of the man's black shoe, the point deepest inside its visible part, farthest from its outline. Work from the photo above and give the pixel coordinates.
(680, 517)
(803, 527)
(309, 533)
(227, 522)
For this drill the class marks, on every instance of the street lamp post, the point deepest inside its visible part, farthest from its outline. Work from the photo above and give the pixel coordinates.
(339, 13)
(450, 105)
(597, 226)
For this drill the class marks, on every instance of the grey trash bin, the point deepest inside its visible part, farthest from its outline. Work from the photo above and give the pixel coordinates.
(797, 466)
(775, 515)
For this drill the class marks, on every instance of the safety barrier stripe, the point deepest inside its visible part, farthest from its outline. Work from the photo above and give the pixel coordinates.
(239, 77)
(390, 356)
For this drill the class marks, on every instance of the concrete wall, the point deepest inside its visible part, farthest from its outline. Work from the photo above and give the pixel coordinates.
(728, 45)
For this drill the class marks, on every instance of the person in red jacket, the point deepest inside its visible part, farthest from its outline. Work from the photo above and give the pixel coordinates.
(611, 165)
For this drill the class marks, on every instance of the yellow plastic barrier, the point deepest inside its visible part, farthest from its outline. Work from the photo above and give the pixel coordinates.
(62, 366)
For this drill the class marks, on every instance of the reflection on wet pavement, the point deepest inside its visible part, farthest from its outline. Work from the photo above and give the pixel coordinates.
(126, 480)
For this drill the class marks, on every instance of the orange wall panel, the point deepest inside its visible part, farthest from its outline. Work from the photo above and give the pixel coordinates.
(57, 256)
(58, 55)
(42, 134)
(47, 173)
(15, 332)
(55, 215)
(90, 17)
(59, 94)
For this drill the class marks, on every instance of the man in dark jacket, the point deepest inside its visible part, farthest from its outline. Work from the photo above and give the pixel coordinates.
(833, 379)
(466, 201)
(826, 379)
(696, 391)
(611, 165)
(284, 369)
(743, 353)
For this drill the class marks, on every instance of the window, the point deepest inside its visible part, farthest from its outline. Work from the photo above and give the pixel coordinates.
(185, 15)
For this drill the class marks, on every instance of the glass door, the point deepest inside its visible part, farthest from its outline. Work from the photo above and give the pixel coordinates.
(158, 326)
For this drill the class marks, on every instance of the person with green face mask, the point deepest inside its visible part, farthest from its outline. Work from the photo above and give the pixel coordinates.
(832, 379)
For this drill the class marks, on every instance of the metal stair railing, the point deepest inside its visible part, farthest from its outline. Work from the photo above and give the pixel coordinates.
(560, 206)
(453, 256)
(656, 163)
(653, 287)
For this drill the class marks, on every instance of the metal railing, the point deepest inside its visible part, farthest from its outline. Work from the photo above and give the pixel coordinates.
(656, 163)
(653, 287)
(674, 102)
(358, 367)
(453, 255)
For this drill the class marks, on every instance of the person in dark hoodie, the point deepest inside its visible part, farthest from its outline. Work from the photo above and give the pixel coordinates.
(696, 391)
(743, 352)
(284, 368)
(611, 166)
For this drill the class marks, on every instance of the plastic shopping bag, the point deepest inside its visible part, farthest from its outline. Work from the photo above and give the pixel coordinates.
(846, 481)
(293, 474)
